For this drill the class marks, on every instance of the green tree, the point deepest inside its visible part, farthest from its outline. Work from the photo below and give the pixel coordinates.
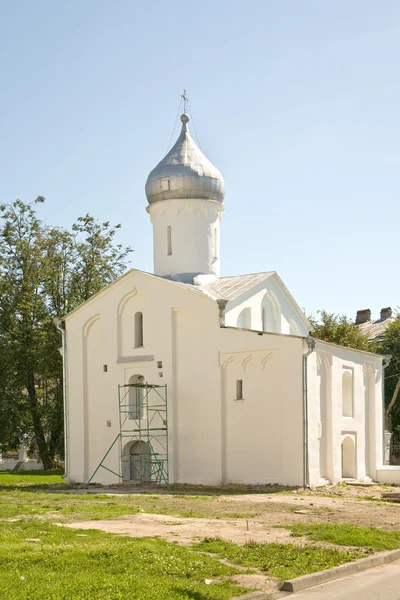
(390, 345)
(338, 329)
(44, 273)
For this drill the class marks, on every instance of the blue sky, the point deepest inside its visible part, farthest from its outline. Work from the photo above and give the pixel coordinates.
(296, 102)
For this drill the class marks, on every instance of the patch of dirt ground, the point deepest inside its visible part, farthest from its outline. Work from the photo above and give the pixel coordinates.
(330, 504)
(186, 531)
(256, 581)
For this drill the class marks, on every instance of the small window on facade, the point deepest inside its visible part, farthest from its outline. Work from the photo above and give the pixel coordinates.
(215, 242)
(169, 240)
(239, 389)
(138, 330)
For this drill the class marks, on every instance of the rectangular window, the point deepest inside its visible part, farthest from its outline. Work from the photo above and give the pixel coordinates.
(215, 242)
(169, 240)
(239, 389)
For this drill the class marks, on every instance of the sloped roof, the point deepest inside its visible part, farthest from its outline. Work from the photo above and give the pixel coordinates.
(375, 329)
(231, 288)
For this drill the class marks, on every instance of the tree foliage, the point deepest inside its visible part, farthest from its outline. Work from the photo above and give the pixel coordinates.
(45, 272)
(338, 329)
(389, 344)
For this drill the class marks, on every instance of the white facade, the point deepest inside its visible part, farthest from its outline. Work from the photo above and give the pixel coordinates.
(251, 399)
(345, 433)
(215, 437)
(208, 428)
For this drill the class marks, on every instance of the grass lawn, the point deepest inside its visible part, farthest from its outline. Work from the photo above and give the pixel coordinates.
(29, 479)
(40, 560)
(37, 493)
(349, 535)
(284, 561)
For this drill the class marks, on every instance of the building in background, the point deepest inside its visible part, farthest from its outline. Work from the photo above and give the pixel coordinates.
(374, 329)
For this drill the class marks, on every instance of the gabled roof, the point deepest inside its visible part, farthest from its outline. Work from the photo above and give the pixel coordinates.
(232, 288)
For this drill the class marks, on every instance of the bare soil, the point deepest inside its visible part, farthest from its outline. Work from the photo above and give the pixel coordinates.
(330, 504)
(186, 531)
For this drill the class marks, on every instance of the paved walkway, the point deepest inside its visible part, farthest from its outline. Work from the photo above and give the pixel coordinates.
(379, 583)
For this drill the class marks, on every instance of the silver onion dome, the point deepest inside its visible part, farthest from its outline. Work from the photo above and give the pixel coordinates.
(185, 173)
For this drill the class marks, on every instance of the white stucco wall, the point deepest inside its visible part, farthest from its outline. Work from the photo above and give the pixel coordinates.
(328, 428)
(212, 437)
(270, 310)
(195, 236)
(262, 438)
(388, 474)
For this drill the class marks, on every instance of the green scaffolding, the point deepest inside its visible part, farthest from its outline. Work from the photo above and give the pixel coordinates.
(143, 435)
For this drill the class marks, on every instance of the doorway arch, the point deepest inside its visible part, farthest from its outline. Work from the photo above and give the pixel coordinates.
(136, 462)
(348, 458)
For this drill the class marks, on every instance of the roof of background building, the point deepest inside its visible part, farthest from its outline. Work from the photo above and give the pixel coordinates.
(375, 329)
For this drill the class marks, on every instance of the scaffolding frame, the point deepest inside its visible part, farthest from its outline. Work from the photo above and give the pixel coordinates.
(143, 424)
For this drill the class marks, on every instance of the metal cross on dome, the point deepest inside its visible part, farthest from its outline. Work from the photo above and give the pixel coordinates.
(185, 101)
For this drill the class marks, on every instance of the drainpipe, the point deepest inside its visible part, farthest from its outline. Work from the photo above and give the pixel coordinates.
(310, 348)
(222, 306)
(61, 327)
(385, 363)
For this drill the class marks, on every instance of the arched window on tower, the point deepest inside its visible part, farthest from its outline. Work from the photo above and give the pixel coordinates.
(215, 242)
(138, 330)
(169, 240)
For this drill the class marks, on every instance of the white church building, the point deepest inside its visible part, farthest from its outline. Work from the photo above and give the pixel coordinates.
(184, 376)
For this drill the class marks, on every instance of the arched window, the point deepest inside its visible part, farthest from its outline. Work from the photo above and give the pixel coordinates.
(347, 393)
(293, 327)
(270, 313)
(138, 330)
(137, 397)
(244, 318)
(215, 242)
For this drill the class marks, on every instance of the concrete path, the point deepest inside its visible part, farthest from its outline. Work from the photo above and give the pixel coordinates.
(379, 583)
